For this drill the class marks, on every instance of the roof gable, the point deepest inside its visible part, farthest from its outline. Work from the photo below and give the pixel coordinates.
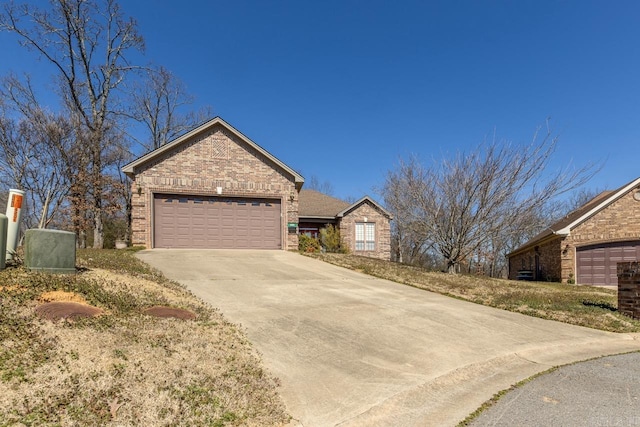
(564, 226)
(369, 200)
(130, 168)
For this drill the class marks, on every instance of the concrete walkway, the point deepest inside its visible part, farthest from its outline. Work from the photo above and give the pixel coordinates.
(352, 350)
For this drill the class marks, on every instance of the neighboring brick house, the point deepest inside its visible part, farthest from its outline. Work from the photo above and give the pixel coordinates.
(364, 225)
(213, 188)
(585, 245)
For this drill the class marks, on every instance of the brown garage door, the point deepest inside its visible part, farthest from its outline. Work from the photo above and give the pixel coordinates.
(597, 264)
(216, 222)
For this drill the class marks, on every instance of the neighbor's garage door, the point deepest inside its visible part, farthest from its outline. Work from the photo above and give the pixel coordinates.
(597, 264)
(216, 223)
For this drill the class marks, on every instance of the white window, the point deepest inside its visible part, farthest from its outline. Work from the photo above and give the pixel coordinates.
(365, 236)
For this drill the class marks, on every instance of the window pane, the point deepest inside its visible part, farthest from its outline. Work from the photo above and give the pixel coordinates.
(371, 232)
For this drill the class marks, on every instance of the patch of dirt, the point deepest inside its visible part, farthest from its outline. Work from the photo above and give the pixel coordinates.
(61, 296)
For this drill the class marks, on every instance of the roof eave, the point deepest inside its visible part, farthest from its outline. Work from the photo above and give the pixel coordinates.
(527, 246)
(129, 168)
(327, 217)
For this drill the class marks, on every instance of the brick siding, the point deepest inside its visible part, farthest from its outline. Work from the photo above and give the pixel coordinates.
(215, 158)
(617, 222)
(550, 258)
(629, 289)
(382, 230)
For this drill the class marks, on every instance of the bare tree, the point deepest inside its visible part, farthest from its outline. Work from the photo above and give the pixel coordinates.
(86, 42)
(402, 187)
(476, 202)
(578, 199)
(36, 147)
(324, 187)
(156, 103)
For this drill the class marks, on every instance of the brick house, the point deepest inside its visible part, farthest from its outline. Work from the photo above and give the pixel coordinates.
(215, 188)
(585, 245)
(364, 225)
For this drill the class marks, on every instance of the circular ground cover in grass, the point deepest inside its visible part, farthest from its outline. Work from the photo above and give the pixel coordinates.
(57, 310)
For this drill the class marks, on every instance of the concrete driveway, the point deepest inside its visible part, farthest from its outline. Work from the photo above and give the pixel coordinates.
(352, 350)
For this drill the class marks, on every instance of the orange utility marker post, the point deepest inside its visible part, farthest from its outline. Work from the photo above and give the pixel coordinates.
(14, 214)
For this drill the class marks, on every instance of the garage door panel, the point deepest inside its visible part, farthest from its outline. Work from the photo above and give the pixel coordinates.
(597, 265)
(213, 222)
(182, 234)
(270, 223)
(228, 243)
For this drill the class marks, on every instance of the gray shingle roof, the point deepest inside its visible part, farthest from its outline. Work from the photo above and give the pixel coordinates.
(314, 204)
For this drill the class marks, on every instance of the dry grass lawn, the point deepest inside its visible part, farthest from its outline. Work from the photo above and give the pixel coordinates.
(123, 367)
(578, 305)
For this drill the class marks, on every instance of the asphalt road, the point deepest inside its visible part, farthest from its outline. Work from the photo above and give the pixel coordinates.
(600, 392)
(353, 350)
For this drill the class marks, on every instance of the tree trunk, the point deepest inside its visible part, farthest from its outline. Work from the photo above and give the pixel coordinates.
(451, 267)
(97, 183)
(98, 231)
(98, 226)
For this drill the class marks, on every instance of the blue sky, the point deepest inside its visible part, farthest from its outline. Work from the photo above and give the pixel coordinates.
(341, 90)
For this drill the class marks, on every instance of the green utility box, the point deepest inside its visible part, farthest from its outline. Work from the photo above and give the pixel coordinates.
(50, 251)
